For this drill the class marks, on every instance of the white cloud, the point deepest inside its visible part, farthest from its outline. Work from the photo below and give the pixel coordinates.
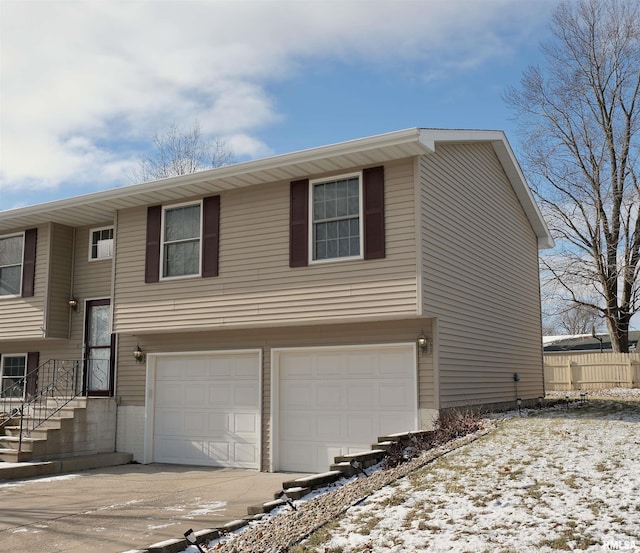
(81, 78)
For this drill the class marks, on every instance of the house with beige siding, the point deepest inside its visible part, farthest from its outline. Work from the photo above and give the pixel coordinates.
(275, 313)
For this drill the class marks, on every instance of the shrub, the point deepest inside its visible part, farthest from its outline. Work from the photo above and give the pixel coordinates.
(449, 425)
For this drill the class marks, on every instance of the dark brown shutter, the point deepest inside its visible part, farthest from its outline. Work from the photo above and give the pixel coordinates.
(210, 236)
(299, 224)
(29, 262)
(152, 260)
(373, 201)
(33, 360)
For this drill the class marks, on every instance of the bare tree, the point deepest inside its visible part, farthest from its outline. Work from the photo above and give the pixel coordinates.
(579, 319)
(179, 151)
(579, 116)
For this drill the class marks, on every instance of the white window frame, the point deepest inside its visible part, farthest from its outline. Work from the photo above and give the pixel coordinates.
(2, 237)
(312, 223)
(2, 376)
(99, 229)
(162, 241)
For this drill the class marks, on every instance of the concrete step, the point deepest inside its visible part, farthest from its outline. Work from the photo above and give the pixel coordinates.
(13, 456)
(12, 471)
(38, 433)
(13, 442)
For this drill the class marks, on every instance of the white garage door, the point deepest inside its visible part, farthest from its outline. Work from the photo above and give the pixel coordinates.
(338, 401)
(206, 409)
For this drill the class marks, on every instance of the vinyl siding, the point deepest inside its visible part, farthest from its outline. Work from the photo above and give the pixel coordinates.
(256, 286)
(480, 278)
(131, 375)
(24, 318)
(58, 315)
(91, 279)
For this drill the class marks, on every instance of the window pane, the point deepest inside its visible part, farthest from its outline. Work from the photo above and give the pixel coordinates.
(332, 230)
(10, 280)
(354, 247)
(321, 231)
(342, 207)
(102, 243)
(13, 373)
(332, 248)
(99, 334)
(321, 250)
(14, 366)
(181, 258)
(182, 223)
(318, 210)
(343, 247)
(11, 251)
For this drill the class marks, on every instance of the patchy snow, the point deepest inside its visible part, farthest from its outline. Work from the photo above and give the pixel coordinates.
(556, 479)
(551, 480)
(37, 480)
(207, 509)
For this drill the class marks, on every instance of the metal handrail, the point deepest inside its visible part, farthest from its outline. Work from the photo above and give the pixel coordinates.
(61, 384)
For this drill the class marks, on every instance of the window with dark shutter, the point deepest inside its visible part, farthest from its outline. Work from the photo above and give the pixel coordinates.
(373, 205)
(152, 260)
(299, 224)
(210, 236)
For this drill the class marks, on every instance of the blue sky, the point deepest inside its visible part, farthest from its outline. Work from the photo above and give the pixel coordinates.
(86, 84)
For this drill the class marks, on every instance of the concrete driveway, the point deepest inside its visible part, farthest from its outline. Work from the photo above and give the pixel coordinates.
(115, 509)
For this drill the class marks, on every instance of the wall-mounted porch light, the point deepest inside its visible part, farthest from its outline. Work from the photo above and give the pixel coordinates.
(424, 344)
(138, 354)
(73, 303)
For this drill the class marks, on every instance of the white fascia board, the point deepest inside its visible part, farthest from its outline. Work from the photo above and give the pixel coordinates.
(381, 141)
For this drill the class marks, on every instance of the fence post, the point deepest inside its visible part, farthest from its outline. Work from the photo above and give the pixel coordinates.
(570, 374)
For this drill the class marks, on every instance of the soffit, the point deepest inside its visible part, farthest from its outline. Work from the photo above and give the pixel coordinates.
(100, 207)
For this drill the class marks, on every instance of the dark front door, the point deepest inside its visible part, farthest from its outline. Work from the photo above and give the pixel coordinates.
(98, 349)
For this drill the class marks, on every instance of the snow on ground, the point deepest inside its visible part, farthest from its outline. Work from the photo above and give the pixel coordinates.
(556, 479)
(551, 480)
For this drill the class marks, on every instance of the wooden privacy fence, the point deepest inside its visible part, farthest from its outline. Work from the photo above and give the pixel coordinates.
(590, 371)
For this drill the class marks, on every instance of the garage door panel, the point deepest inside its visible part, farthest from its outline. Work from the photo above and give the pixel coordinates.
(393, 396)
(194, 424)
(329, 365)
(298, 427)
(245, 423)
(296, 395)
(245, 394)
(361, 395)
(328, 427)
(362, 364)
(392, 424)
(328, 396)
(217, 424)
(219, 394)
(359, 426)
(354, 395)
(246, 453)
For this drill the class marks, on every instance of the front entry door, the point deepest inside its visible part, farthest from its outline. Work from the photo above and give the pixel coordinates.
(98, 349)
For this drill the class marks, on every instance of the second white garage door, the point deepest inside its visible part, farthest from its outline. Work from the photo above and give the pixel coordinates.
(334, 401)
(207, 409)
